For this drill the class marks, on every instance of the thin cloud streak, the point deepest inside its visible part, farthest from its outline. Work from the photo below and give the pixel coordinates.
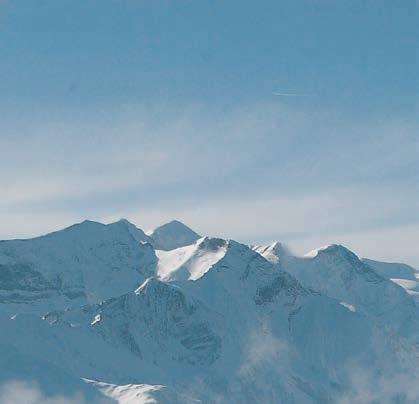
(279, 94)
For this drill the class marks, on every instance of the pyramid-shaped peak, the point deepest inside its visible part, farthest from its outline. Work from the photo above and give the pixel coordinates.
(124, 221)
(173, 235)
(332, 249)
(175, 224)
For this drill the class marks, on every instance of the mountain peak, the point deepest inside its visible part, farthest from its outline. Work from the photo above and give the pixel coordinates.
(126, 225)
(85, 224)
(273, 252)
(124, 221)
(173, 235)
(174, 225)
(342, 260)
(332, 249)
(175, 222)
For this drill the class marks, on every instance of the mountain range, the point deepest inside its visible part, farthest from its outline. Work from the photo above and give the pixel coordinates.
(107, 313)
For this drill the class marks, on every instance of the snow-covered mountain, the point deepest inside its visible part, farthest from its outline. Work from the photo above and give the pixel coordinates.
(85, 263)
(402, 274)
(106, 313)
(337, 272)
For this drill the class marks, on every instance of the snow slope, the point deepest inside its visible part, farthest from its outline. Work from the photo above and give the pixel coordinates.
(190, 262)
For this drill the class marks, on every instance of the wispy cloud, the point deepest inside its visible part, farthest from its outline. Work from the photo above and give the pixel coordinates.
(262, 349)
(366, 387)
(257, 172)
(18, 392)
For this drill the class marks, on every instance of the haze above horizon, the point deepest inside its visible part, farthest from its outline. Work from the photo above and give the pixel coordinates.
(161, 110)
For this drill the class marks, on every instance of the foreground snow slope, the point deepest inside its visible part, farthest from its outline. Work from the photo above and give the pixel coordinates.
(213, 321)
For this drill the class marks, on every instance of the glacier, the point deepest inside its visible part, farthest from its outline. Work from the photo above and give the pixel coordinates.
(107, 313)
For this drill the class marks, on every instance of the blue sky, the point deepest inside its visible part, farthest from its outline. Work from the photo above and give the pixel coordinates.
(154, 110)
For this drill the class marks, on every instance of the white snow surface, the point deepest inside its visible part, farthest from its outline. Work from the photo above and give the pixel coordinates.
(141, 393)
(98, 314)
(348, 306)
(190, 262)
(273, 252)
